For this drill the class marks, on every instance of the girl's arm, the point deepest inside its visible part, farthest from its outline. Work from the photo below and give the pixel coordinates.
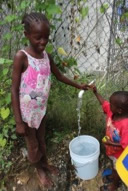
(98, 96)
(63, 78)
(16, 78)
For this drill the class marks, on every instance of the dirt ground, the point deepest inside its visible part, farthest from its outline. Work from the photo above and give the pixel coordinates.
(23, 177)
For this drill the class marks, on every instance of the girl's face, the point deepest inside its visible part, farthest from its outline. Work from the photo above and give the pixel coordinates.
(38, 36)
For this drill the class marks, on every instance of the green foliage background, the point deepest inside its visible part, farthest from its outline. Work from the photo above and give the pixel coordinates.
(13, 39)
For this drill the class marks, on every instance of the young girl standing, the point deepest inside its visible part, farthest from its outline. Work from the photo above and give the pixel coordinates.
(31, 81)
(116, 131)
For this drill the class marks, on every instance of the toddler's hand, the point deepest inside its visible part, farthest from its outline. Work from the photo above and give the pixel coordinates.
(21, 129)
(93, 87)
(107, 141)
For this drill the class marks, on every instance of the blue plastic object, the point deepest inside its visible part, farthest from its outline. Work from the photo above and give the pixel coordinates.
(107, 172)
(116, 137)
(125, 162)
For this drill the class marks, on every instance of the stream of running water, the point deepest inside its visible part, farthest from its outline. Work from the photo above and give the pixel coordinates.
(79, 105)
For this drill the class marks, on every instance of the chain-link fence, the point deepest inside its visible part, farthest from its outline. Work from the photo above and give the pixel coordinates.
(98, 38)
(86, 39)
(94, 32)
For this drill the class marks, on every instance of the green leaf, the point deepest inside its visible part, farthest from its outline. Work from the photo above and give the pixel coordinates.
(77, 19)
(13, 136)
(2, 61)
(5, 61)
(70, 62)
(6, 48)
(17, 28)
(82, 1)
(51, 1)
(49, 48)
(1, 22)
(8, 98)
(12, 122)
(2, 92)
(24, 40)
(124, 16)
(53, 9)
(61, 51)
(7, 36)
(2, 142)
(84, 12)
(10, 18)
(23, 5)
(103, 8)
(9, 164)
(4, 112)
(118, 41)
(5, 71)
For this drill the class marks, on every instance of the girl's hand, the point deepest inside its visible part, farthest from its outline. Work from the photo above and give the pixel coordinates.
(21, 129)
(84, 86)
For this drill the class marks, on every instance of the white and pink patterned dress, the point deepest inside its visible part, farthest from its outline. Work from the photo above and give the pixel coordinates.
(34, 90)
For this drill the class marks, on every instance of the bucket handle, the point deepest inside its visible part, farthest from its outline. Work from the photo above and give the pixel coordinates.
(82, 164)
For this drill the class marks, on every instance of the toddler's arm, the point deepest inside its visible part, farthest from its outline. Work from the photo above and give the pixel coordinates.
(111, 143)
(63, 78)
(98, 96)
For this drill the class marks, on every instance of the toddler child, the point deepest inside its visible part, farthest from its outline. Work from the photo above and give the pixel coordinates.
(31, 81)
(116, 111)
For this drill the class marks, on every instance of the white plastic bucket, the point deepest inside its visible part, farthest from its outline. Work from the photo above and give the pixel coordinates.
(84, 152)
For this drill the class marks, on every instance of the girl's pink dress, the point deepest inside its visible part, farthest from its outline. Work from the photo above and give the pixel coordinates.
(34, 90)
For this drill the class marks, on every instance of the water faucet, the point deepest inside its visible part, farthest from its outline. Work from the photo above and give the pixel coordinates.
(80, 94)
(82, 91)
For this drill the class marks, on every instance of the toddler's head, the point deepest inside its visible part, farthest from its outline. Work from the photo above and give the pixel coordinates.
(119, 102)
(37, 30)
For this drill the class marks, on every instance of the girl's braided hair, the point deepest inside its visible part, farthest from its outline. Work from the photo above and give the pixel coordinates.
(29, 19)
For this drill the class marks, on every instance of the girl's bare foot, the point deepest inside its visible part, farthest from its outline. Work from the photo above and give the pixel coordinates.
(52, 169)
(44, 179)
